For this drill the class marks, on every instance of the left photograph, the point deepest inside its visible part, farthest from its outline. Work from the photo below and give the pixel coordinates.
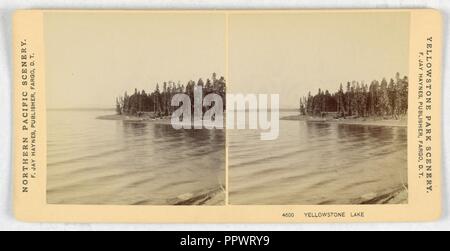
(110, 80)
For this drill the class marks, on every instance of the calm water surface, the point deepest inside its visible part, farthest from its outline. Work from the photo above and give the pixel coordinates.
(92, 161)
(316, 163)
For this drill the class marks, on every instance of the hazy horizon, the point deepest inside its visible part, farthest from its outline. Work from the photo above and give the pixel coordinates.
(96, 57)
(292, 54)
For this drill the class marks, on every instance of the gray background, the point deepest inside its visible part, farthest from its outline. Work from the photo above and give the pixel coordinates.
(7, 222)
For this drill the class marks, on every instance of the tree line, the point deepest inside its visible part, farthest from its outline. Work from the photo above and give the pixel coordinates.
(159, 101)
(360, 100)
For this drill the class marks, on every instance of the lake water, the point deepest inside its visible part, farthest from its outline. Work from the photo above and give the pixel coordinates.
(316, 163)
(92, 161)
(112, 162)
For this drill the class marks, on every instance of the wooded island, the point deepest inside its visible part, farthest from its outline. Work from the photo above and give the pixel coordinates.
(158, 103)
(379, 99)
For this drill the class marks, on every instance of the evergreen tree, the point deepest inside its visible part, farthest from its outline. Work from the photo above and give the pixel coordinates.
(359, 99)
(159, 102)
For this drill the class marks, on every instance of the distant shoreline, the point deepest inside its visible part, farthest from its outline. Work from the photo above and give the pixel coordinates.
(80, 109)
(128, 117)
(136, 119)
(371, 121)
(165, 120)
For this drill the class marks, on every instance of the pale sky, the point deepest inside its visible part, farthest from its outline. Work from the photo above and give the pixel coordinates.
(93, 58)
(291, 54)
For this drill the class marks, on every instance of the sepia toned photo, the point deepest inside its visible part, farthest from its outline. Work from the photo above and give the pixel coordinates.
(342, 81)
(342, 135)
(227, 116)
(110, 81)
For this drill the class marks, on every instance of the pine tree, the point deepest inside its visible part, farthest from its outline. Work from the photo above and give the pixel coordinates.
(359, 99)
(159, 102)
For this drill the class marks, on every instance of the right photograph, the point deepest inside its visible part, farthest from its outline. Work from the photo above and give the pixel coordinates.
(342, 83)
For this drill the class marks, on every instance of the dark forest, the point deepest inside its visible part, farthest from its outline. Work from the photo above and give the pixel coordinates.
(383, 99)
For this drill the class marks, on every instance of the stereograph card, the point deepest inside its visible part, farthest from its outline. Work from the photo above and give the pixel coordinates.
(243, 116)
